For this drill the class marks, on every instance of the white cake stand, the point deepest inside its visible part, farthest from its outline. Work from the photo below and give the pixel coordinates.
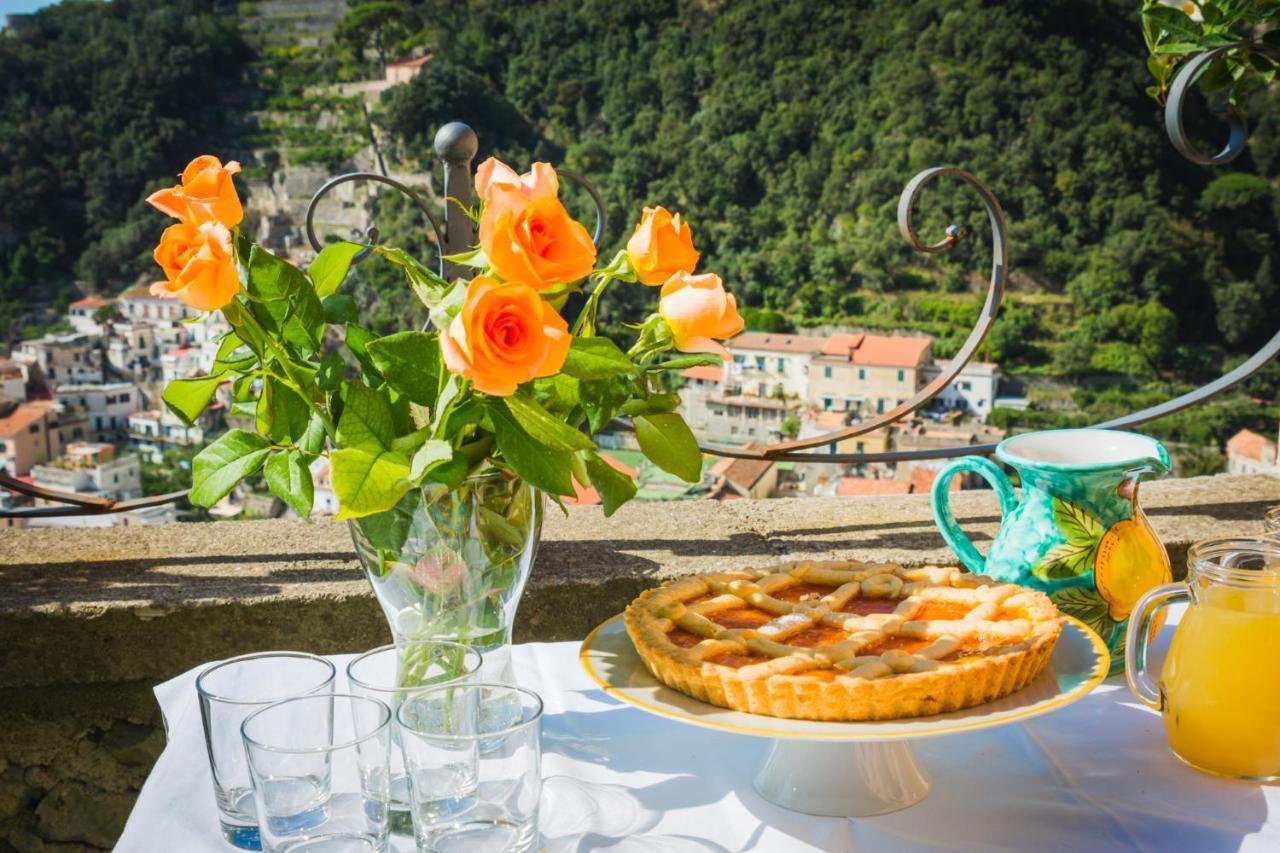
(845, 769)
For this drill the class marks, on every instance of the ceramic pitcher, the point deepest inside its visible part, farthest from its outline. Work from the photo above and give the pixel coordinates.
(1077, 533)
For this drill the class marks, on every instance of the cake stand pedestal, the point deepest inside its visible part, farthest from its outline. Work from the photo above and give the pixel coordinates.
(845, 769)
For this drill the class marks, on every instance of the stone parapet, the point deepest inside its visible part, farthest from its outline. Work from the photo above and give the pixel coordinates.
(92, 618)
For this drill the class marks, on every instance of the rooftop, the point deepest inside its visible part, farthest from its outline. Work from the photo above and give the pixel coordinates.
(876, 350)
(22, 416)
(1251, 445)
(850, 486)
(415, 62)
(742, 472)
(773, 342)
(90, 302)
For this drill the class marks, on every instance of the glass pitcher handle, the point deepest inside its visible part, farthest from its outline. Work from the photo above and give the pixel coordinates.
(1135, 659)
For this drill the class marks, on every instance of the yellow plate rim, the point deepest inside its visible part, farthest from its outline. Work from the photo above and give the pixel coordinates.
(1102, 665)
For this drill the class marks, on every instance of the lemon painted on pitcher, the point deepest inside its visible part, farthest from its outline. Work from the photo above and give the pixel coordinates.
(1077, 533)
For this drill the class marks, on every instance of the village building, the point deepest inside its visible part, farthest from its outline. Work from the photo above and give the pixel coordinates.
(65, 359)
(867, 374)
(81, 313)
(26, 438)
(1250, 453)
(106, 405)
(768, 364)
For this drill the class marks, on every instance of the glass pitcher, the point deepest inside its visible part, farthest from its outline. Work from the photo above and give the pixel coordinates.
(1219, 689)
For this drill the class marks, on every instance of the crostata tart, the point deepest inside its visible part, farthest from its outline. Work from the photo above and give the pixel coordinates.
(844, 640)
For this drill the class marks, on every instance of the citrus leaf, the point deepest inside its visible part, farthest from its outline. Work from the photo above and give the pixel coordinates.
(614, 487)
(669, 444)
(596, 358)
(289, 479)
(1085, 604)
(366, 419)
(366, 481)
(330, 266)
(216, 469)
(544, 427)
(1077, 525)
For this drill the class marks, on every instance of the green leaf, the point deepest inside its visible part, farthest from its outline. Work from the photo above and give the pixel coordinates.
(452, 472)
(615, 488)
(429, 287)
(366, 419)
(281, 414)
(284, 300)
(1065, 560)
(233, 354)
(447, 305)
(596, 358)
(1076, 524)
(430, 456)
(602, 398)
(216, 469)
(312, 440)
(187, 398)
(669, 444)
(332, 370)
(1173, 21)
(539, 465)
(289, 479)
(543, 427)
(410, 442)
(366, 481)
(389, 530)
(1085, 604)
(339, 309)
(410, 363)
(358, 341)
(558, 393)
(330, 267)
(685, 362)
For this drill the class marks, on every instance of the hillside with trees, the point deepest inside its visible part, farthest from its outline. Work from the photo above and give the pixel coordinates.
(783, 130)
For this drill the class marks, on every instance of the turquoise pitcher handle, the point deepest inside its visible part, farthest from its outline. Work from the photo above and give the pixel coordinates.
(946, 522)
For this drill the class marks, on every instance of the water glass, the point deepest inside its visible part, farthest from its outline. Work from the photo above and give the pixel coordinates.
(1271, 520)
(320, 773)
(393, 676)
(232, 690)
(473, 756)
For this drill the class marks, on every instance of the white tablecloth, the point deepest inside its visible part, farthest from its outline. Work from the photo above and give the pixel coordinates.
(1094, 776)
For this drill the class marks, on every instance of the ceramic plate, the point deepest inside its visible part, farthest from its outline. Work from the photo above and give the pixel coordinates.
(1078, 664)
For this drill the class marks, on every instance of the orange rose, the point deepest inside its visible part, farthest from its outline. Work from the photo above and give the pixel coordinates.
(206, 193)
(197, 262)
(697, 309)
(539, 181)
(504, 335)
(532, 238)
(661, 247)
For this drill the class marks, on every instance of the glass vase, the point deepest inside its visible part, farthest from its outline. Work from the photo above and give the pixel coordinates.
(451, 564)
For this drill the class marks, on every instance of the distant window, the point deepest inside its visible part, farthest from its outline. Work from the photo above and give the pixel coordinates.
(753, 413)
(982, 404)
(76, 356)
(902, 376)
(53, 373)
(782, 365)
(963, 386)
(826, 404)
(862, 374)
(114, 479)
(735, 411)
(860, 447)
(751, 431)
(831, 448)
(34, 428)
(880, 406)
(739, 359)
(733, 430)
(124, 398)
(762, 389)
(759, 362)
(826, 373)
(2, 447)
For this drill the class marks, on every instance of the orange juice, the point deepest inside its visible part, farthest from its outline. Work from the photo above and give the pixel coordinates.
(1221, 682)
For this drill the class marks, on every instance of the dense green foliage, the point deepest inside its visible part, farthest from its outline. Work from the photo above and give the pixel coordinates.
(98, 104)
(786, 130)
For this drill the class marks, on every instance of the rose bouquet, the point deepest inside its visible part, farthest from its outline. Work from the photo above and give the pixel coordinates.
(439, 442)
(500, 381)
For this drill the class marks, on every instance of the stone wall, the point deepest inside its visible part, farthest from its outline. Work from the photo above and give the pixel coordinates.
(91, 620)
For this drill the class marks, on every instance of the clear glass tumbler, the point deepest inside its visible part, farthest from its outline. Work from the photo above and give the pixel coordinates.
(321, 778)
(387, 675)
(474, 759)
(232, 690)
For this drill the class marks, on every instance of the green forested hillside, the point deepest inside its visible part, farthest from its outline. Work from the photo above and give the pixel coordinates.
(783, 130)
(99, 104)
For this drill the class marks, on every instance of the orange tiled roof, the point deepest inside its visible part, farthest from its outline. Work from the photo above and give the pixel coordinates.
(774, 342)
(90, 302)
(866, 486)
(744, 472)
(139, 291)
(703, 371)
(840, 343)
(1250, 445)
(891, 352)
(23, 416)
(416, 62)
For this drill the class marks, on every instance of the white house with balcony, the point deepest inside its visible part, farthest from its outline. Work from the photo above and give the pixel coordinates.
(768, 364)
(153, 431)
(106, 405)
(93, 469)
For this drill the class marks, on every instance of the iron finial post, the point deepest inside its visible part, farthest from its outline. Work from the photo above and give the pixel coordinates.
(456, 146)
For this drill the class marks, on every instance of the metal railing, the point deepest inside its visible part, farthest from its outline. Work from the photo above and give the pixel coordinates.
(456, 145)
